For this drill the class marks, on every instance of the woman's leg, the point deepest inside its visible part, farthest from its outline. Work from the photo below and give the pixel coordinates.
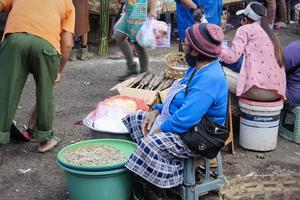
(143, 57)
(84, 53)
(84, 40)
(124, 46)
(271, 11)
(282, 10)
(134, 123)
(159, 159)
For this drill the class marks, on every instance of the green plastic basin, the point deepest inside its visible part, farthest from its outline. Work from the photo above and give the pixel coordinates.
(104, 185)
(124, 146)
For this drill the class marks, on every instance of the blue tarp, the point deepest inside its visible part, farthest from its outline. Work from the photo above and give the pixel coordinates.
(213, 12)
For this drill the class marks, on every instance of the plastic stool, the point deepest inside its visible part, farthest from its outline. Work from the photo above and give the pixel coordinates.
(290, 123)
(190, 189)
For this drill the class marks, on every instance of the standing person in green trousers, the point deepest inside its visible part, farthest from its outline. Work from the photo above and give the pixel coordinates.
(38, 39)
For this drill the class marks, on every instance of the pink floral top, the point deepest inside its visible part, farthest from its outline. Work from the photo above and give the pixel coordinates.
(260, 67)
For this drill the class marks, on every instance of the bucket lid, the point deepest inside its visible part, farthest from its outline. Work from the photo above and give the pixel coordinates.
(124, 146)
(259, 103)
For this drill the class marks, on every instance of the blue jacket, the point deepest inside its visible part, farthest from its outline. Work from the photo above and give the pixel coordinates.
(208, 95)
(184, 16)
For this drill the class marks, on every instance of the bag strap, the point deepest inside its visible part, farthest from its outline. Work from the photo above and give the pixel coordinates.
(291, 71)
(189, 81)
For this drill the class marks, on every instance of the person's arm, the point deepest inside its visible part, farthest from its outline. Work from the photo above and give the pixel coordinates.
(66, 42)
(66, 48)
(5, 6)
(66, 45)
(153, 12)
(189, 4)
(239, 43)
(158, 107)
(195, 106)
(1, 7)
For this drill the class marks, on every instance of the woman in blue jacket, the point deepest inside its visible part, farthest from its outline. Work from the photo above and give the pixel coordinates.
(160, 152)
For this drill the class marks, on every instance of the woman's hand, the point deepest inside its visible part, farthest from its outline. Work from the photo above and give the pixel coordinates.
(148, 122)
(153, 14)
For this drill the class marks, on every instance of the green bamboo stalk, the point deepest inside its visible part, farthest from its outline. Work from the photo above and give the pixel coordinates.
(104, 28)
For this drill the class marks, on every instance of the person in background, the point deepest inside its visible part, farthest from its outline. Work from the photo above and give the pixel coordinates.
(82, 27)
(127, 27)
(203, 91)
(38, 39)
(260, 75)
(272, 6)
(292, 68)
(185, 16)
(119, 55)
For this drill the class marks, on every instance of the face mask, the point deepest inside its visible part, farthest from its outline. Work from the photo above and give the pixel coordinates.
(190, 59)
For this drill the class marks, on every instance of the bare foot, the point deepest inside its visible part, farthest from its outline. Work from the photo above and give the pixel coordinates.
(48, 146)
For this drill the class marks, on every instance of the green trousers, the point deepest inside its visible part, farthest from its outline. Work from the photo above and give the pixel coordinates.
(21, 54)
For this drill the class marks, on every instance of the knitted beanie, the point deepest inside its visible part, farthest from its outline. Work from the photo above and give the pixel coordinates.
(206, 39)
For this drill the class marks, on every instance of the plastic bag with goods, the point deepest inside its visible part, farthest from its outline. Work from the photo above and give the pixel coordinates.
(162, 32)
(146, 36)
(107, 116)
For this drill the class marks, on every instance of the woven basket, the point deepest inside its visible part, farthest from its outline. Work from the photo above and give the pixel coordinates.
(267, 187)
(175, 65)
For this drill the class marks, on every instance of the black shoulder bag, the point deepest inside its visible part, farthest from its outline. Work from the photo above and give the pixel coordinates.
(207, 137)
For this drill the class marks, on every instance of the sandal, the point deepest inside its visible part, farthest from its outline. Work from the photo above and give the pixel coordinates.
(17, 135)
(51, 146)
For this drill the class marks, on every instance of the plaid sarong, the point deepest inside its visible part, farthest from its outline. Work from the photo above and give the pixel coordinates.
(159, 156)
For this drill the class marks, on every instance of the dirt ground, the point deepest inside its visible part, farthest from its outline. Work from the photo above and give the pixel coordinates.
(74, 100)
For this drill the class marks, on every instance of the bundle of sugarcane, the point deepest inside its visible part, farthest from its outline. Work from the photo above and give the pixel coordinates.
(104, 24)
(166, 83)
(146, 80)
(151, 81)
(138, 79)
(155, 81)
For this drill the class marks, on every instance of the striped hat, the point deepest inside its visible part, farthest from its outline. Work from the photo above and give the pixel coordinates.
(206, 39)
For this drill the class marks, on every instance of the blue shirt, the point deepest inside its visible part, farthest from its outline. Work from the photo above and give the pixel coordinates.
(208, 95)
(184, 16)
(292, 58)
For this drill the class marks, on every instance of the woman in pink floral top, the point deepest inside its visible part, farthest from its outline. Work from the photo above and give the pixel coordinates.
(261, 76)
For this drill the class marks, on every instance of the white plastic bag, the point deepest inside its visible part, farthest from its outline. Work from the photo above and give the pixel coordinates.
(107, 119)
(146, 36)
(108, 115)
(162, 32)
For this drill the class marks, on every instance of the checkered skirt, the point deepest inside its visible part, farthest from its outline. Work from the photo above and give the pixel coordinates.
(159, 156)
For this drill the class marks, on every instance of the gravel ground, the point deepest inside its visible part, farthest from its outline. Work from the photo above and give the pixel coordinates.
(74, 100)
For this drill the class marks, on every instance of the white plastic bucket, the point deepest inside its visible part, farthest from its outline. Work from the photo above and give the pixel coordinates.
(259, 124)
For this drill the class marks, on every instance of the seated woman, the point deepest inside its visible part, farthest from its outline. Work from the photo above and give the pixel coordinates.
(160, 154)
(261, 75)
(292, 69)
